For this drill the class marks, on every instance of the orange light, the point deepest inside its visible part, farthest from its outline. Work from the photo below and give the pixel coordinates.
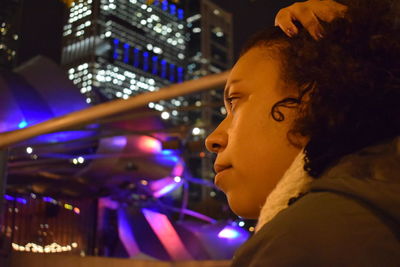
(68, 2)
(202, 154)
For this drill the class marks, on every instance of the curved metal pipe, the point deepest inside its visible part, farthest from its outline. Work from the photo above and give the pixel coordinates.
(111, 108)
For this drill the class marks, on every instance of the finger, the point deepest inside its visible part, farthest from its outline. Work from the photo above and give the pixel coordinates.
(310, 22)
(329, 10)
(284, 20)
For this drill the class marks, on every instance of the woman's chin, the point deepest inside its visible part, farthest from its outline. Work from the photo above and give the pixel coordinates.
(243, 208)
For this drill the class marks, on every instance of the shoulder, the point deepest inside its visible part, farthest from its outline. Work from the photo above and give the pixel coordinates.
(321, 229)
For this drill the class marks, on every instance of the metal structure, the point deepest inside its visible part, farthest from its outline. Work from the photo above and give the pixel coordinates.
(104, 110)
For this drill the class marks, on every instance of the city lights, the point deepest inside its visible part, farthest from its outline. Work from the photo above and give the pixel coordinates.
(77, 210)
(165, 115)
(196, 131)
(29, 150)
(228, 232)
(52, 248)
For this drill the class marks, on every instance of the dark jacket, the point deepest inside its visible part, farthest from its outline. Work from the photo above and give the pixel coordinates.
(350, 217)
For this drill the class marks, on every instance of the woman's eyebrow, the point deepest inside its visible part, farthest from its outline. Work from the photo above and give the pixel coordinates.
(226, 91)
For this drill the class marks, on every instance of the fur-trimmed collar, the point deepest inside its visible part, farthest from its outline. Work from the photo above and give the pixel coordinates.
(295, 181)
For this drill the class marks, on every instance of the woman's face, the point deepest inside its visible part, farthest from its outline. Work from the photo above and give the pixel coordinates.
(248, 140)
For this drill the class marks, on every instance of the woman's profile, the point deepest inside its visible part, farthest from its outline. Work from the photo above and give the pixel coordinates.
(310, 144)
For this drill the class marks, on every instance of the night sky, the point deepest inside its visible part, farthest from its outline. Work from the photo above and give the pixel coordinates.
(251, 16)
(42, 22)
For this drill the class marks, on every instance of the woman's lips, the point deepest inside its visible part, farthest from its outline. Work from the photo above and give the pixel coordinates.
(218, 168)
(219, 176)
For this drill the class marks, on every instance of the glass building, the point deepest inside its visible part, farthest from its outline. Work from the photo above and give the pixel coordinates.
(211, 51)
(119, 48)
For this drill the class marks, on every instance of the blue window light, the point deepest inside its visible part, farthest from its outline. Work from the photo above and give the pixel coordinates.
(172, 9)
(116, 44)
(172, 73)
(163, 69)
(154, 65)
(180, 74)
(181, 14)
(164, 5)
(145, 61)
(136, 59)
(126, 53)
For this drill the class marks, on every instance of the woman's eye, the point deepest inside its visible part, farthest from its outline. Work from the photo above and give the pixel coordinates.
(229, 101)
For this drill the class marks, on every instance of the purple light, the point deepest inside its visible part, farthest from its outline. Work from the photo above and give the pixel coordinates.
(50, 200)
(18, 199)
(167, 234)
(228, 232)
(178, 169)
(7, 197)
(149, 145)
(164, 186)
(21, 200)
(119, 141)
(126, 234)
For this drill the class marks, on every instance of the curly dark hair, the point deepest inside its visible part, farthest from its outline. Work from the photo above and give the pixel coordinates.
(348, 83)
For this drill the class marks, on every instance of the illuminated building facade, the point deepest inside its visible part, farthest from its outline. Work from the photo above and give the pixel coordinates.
(211, 39)
(9, 26)
(119, 48)
(211, 51)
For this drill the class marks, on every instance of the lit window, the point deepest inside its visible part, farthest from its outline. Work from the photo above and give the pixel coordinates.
(165, 115)
(157, 50)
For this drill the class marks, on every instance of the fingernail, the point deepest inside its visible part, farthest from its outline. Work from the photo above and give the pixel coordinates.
(290, 31)
(320, 34)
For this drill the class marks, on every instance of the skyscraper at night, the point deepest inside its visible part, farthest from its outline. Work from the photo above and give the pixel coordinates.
(119, 48)
(211, 51)
(9, 32)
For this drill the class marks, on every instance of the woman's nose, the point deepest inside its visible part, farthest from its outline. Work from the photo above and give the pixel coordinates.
(216, 141)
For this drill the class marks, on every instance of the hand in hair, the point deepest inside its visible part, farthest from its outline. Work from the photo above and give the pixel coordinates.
(309, 13)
